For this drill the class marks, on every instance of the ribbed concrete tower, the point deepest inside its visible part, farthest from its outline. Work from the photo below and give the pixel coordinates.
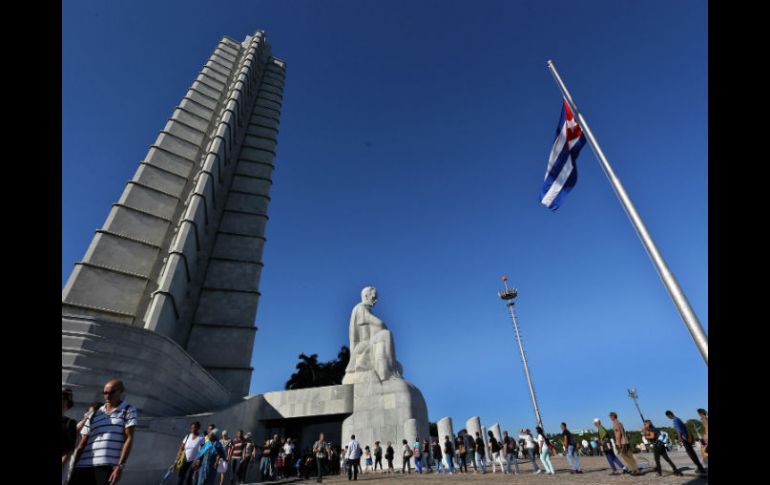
(166, 295)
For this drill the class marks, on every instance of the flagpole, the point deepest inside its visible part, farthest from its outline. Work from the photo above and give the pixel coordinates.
(680, 300)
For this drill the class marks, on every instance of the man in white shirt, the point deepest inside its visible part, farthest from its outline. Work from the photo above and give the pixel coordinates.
(354, 458)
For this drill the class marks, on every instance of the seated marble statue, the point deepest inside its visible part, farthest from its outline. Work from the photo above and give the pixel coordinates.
(371, 344)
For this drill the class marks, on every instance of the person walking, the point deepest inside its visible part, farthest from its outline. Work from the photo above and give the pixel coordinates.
(480, 448)
(210, 454)
(569, 445)
(545, 451)
(288, 456)
(367, 460)
(449, 451)
(406, 455)
(658, 448)
(248, 453)
(319, 450)
(223, 468)
(377, 456)
(436, 449)
(417, 453)
(494, 452)
(470, 451)
(191, 445)
(529, 445)
(605, 444)
(704, 419)
(685, 438)
(460, 452)
(510, 450)
(425, 455)
(389, 455)
(623, 443)
(106, 439)
(354, 458)
(235, 457)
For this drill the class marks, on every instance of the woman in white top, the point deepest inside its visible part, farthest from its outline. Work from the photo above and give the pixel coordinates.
(190, 446)
(545, 452)
(526, 435)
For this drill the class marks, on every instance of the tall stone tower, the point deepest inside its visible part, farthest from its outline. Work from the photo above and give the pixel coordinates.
(166, 295)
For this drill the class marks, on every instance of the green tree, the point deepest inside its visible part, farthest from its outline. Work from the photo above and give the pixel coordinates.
(695, 427)
(311, 373)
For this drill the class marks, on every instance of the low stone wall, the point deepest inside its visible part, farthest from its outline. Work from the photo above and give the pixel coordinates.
(160, 377)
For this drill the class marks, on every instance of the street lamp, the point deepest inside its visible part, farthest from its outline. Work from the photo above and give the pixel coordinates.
(509, 295)
(633, 395)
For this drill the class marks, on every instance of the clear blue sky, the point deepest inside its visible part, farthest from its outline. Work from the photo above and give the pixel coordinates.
(414, 139)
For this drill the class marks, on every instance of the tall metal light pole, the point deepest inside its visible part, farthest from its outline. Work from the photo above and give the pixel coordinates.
(510, 294)
(633, 395)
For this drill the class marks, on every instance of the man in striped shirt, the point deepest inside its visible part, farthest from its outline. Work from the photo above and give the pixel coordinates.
(106, 440)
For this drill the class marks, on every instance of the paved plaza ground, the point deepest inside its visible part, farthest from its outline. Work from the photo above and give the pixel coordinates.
(596, 472)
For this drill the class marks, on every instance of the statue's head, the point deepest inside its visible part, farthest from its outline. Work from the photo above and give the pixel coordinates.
(369, 295)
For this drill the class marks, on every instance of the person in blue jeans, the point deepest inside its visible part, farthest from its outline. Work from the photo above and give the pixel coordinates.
(436, 451)
(605, 441)
(569, 445)
(417, 455)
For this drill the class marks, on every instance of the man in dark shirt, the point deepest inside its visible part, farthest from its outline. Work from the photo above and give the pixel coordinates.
(449, 452)
(275, 449)
(685, 439)
(494, 451)
(653, 435)
(470, 449)
(480, 452)
(436, 449)
(510, 452)
(569, 445)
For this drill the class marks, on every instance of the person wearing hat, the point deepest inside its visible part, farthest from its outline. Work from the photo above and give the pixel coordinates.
(605, 441)
(69, 433)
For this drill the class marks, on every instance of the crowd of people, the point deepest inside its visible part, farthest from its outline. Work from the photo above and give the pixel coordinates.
(96, 448)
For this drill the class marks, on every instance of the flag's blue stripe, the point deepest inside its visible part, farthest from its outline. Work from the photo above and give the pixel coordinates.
(571, 180)
(553, 174)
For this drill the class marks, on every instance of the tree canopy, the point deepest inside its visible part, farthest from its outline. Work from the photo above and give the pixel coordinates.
(311, 373)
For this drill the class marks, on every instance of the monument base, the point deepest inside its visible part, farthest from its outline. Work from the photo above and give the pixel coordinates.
(381, 411)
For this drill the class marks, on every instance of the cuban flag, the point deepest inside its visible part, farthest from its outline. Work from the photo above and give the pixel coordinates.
(561, 174)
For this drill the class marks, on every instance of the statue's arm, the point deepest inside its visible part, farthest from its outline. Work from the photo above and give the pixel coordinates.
(354, 322)
(375, 323)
